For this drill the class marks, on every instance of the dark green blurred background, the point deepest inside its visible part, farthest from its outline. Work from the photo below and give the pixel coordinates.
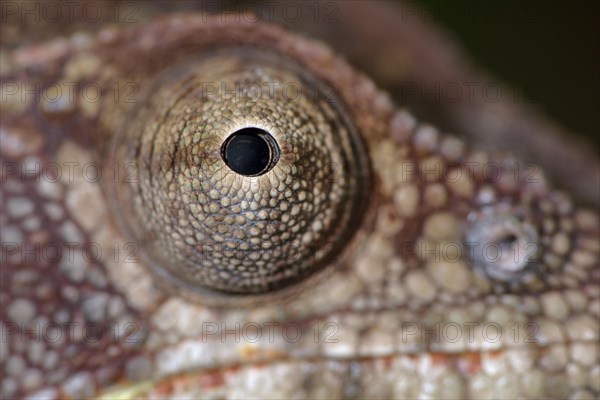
(550, 49)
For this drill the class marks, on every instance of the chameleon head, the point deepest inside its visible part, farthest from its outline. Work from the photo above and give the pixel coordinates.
(249, 176)
(243, 176)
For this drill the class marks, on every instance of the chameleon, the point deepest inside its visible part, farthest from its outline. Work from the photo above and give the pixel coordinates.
(212, 208)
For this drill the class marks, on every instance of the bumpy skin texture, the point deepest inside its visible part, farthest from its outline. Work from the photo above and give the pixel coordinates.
(222, 230)
(383, 323)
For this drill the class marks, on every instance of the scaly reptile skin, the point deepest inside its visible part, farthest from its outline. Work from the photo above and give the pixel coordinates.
(405, 313)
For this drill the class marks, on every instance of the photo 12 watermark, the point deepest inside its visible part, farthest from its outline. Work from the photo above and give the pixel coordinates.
(70, 12)
(470, 332)
(270, 332)
(50, 252)
(126, 332)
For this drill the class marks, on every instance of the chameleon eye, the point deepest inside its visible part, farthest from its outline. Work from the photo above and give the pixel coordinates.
(250, 176)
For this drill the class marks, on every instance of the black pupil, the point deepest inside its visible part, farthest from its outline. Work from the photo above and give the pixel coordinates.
(250, 151)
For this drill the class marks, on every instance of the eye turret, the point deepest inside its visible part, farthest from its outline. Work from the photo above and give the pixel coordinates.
(250, 174)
